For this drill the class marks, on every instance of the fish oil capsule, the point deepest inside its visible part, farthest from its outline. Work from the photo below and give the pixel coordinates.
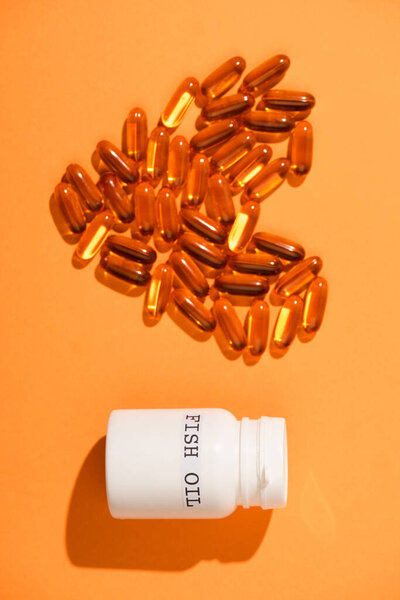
(269, 179)
(243, 227)
(116, 198)
(286, 325)
(189, 273)
(136, 134)
(288, 100)
(167, 217)
(202, 250)
(300, 150)
(71, 209)
(118, 162)
(248, 167)
(224, 78)
(125, 269)
(275, 244)
(314, 305)
(221, 199)
(135, 250)
(145, 208)
(257, 323)
(298, 277)
(229, 322)
(157, 154)
(257, 264)
(178, 162)
(242, 284)
(87, 190)
(272, 121)
(232, 151)
(201, 123)
(296, 115)
(193, 309)
(227, 107)
(179, 103)
(197, 182)
(159, 291)
(204, 225)
(214, 134)
(266, 75)
(95, 235)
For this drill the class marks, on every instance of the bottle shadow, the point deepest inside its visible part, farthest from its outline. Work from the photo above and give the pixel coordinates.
(94, 539)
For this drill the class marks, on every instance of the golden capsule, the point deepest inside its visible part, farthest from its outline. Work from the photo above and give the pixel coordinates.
(314, 305)
(136, 134)
(243, 227)
(157, 154)
(242, 284)
(197, 182)
(118, 162)
(193, 309)
(229, 323)
(95, 235)
(179, 103)
(288, 100)
(248, 167)
(266, 75)
(116, 198)
(286, 325)
(68, 201)
(223, 78)
(269, 179)
(272, 121)
(226, 157)
(214, 134)
(300, 151)
(257, 324)
(204, 225)
(221, 199)
(227, 107)
(125, 269)
(135, 250)
(145, 208)
(201, 123)
(189, 273)
(274, 244)
(298, 277)
(167, 217)
(159, 290)
(257, 264)
(202, 250)
(87, 190)
(178, 162)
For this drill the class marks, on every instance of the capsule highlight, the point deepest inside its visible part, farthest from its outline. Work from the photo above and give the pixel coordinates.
(95, 235)
(244, 171)
(194, 310)
(189, 273)
(243, 227)
(68, 201)
(223, 78)
(180, 102)
(159, 291)
(298, 277)
(229, 323)
(286, 325)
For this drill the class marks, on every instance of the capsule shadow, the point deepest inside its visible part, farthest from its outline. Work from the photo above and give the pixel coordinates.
(78, 262)
(118, 285)
(304, 337)
(224, 346)
(295, 180)
(187, 326)
(61, 225)
(277, 352)
(250, 359)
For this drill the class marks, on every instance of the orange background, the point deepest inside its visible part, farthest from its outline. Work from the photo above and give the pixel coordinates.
(72, 349)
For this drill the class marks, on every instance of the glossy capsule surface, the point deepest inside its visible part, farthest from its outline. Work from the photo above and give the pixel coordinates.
(189, 273)
(314, 305)
(178, 162)
(223, 78)
(296, 115)
(229, 323)
(221, 199)
(167, 216)
(266, 265)
(116, 199)
(136, 134)
(227, 107)
(125, 269)
(248, 167)
(95, 235)
(69, 204)
(202, 250)
(118, 162)
(300, 150)
(288, 100)
(135, 250)
(179, 103)
(298, 277)
(157, 154)
(257, 324)
(265, 75)
(86, 188)
(232, 151)
(214, 134)
(286, 325)
(279, 246)
(243, 227)
(271, 121)
(242, 284)
(269, 179)
(203, 225)
(197, 181)
(193, 309)
(159, 291)
(145, 208)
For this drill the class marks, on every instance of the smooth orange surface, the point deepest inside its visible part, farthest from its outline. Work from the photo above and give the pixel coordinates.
(74, 349)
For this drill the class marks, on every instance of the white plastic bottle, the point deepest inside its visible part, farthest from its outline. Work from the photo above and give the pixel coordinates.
(193, 463)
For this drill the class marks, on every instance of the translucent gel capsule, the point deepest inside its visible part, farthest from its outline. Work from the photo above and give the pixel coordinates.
(300, 150)
(145, 208)
(159, 290)
(286, 325)
(314, 305)
(201, 123)
(296, 115)
(197, 182)
(229, 323)
(178, 162)
(189, 273)
(116, 198)
(227, 107)
(272, 121)
(242, 284)
(257, 323)
(136, 134)
(214, 134)
(288, 100)
(87, 190)
(269, 179)
(257, 264)
(123, 166)
(221, 199)
(232, 151)
(95, 235)
(68, 201)
(193, 309)
(179, 103)
(274, 244)
(157, 154)
(266, 75)
(243, 227)
(167, 216)
(135, 250)
(202, 250)
(248, 167)
(204, 225)
(125, 269)
(224, 78)
(298, 277)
